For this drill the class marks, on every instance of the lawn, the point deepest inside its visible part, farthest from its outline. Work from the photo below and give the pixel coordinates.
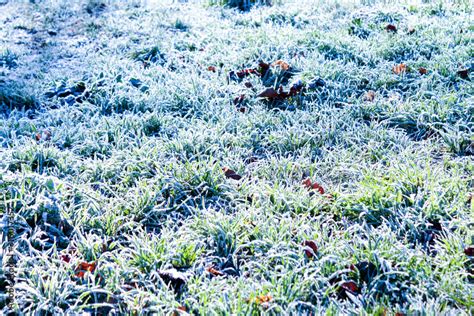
(189, 157)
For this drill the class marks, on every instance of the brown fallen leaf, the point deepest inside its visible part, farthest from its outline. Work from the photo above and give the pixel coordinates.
(422, 71)
(464, 73)
(214, 271)
(180, 310)
(391, 28)
(268, 93)
(84, 267)
(239, 100)
(242, 109)
(238, 75)
(282, 64)
(313, 186)
(261, 299)
(45, 135)
(369, 96)
(263, 68)
(65, 257)
(350, 286)
(229, 173)
(310, 248)
(272, 94)
(173, 278)
(400, 68)
(212, 68)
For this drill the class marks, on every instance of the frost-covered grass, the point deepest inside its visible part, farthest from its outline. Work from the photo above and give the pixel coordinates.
(114, 133)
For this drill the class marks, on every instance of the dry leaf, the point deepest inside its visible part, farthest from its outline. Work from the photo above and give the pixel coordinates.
(391, 28)
(400, 68)
(464, 73)
(173, 278)
(212, 68)
(239, 100)
(214, 271)
(369, 96)
(350, 286)
(263, 68)
(229, 173)
(261, 299)
(84, 267)
(310, 248)
(65, 257)
(268, 93)
(422, 71)
(282, 64)
(313, 186)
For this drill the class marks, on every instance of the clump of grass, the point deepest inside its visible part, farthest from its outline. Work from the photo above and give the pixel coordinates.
(243, 5)
(8, 59)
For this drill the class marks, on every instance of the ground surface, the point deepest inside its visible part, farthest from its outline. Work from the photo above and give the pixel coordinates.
(116, 122)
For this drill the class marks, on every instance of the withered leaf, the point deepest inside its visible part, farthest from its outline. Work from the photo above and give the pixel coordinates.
(400, 68)
(212, 68)
(173, 278)
(239, 100)
(350, 286)
(261, 299)
(313, 186)
(464, 73)
(282, 64)
(422, 71)
(229, 173)
(214, 271)
(311, 249)
(391, 28)
(84, 267)
(369, 96)
(263, 68)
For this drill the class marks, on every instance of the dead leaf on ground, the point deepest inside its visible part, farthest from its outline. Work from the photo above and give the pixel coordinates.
(263, 68)
(313, 186)
(469, 251)
(84, 267)
(391, 28)
(350, 286)
(422, 70)
(212, 68)
(464, 73)
(261, 299)
(239, 100)
(369, 96)
(282, 64)
(173, 278)
(214, 271)
(311, 249)
(229, 173)
(400, 68)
